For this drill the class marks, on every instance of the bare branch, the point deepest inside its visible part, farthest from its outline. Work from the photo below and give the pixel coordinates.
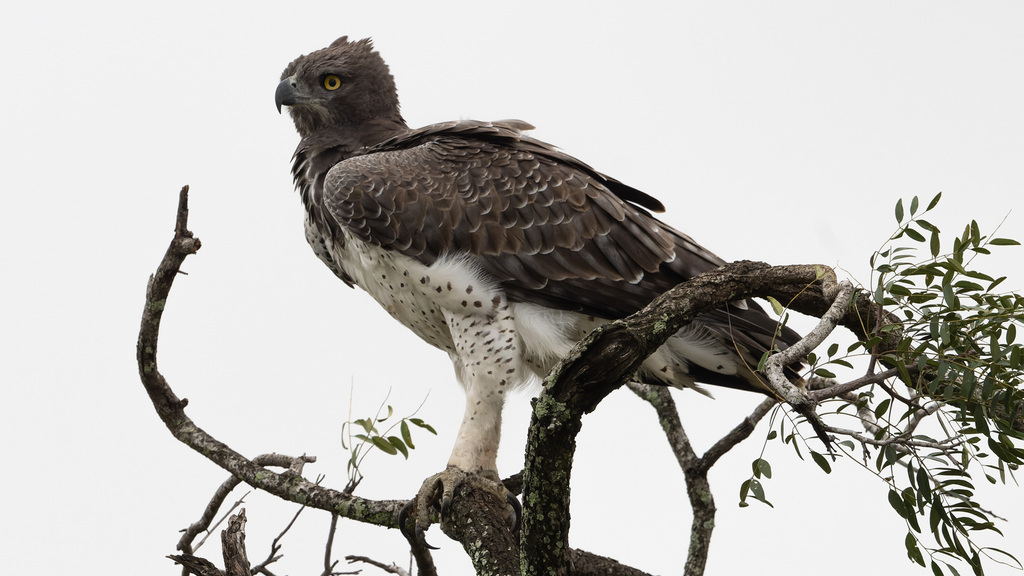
(389, 568)
(695, 469)
(738, 434)
(195, 565)
(232, 541)
(587, 564)
(275, 545)
(221, 494)
(171, 409)
(328, 565)
(795, 353)
(837, 390)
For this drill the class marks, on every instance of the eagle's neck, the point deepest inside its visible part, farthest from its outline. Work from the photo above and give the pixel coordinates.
(320, 150)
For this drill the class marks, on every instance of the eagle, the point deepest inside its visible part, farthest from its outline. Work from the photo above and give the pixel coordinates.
(492, 246)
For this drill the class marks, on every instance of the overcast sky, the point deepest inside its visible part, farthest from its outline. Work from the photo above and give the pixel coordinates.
(780, 131)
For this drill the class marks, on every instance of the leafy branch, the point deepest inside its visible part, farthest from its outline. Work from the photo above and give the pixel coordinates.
(360, 445)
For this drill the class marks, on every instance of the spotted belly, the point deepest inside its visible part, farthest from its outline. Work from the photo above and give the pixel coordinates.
(421, 297)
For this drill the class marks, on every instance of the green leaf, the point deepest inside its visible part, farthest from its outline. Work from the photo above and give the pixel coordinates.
(762, 468)
(407, 435)
(896, 501)
(913, 552)
(935, 245)
(913, 206)
(366, 424)
(757, 492)
(882, 407)
(980, 421)
(420, 423)
(399, 445)
(950, 298)
(923, 484)
(384, 445)
(822, 462)
(934, 202)
(899, 211)
(1004, 242)
(777, 306)
(915, 235)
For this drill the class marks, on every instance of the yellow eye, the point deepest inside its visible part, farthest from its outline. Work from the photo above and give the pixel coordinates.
(331, 82)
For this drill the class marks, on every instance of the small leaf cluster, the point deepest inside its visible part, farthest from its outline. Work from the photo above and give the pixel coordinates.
(762, 469)
(360, 444)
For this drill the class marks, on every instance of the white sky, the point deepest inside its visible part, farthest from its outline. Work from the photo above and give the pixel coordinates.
(777, 131)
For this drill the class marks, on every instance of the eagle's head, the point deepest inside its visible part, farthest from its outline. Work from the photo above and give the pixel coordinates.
(346, 85)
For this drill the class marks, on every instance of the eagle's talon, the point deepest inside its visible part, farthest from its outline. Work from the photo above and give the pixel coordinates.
(517, 508)
(438, 492)
(421, 539)
(403, 518)
(417, 536)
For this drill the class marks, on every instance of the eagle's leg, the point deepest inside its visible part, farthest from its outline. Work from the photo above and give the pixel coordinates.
(474, 455)
(486, 362)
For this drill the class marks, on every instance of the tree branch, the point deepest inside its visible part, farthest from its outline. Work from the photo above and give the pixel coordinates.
(171, 409)
(695, 469)
(606, 359)
(232, 540)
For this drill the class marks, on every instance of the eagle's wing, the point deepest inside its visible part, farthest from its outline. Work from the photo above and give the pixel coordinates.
(547, 227)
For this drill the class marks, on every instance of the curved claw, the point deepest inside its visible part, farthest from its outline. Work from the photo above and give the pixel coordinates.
(421, 539)
(438, 492)
(414, 538)
(403, 516)
(518, 508)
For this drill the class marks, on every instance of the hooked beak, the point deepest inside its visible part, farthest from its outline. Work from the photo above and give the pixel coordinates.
(286, 94)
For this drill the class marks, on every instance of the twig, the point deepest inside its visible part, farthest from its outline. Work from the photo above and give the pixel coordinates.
(695, 469)
(389, 568)
(738, 434)
(221, 494)
(775, 364)
(837, 390)
(328, 565)
(223, 517)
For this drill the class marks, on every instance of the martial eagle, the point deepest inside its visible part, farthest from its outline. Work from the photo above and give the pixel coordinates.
(495, 247)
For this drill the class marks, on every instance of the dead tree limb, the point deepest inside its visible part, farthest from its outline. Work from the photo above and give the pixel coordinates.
(171, 409)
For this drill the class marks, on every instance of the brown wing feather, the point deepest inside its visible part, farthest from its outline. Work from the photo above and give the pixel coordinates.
(546, 226)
